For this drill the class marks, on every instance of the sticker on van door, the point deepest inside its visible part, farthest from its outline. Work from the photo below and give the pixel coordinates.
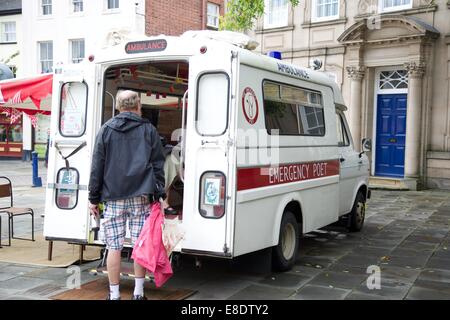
(250, 105)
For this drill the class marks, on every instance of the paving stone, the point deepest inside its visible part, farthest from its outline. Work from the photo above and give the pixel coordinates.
(442, 276)
(419, 293)
(398, 273)
(22, 283)
(6, 276)
(221, 289)
(19, 270)
(395, 290)
(50, 273)
(433, 285)
(364, 296)
(339, 267)
(5, 293)
(19, 297)
(44, 291)
(287, 280)
(438, 263)
(305, 271)
(356, 260)
(371, 251)
(258, 292)
(315, 262)
(316, 292)
(338, 279)
(413, 262)
(417, 245)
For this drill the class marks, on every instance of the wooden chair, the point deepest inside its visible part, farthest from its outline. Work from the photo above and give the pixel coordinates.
(11, 211)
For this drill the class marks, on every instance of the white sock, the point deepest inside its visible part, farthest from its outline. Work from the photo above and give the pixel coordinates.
(114, 291)
(139, 286)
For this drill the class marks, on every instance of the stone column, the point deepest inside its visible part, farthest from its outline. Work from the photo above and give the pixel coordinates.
(356, 74)
(416, 70)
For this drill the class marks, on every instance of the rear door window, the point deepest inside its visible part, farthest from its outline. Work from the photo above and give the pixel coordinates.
(72, 121)
(212, 104)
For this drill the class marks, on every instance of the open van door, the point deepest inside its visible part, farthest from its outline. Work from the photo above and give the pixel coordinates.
(66, 207)
(209, 152)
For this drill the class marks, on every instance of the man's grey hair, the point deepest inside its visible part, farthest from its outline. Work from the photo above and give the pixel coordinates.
(127, 100)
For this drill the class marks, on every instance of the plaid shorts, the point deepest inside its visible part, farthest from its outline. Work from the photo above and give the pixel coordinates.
(117, 212)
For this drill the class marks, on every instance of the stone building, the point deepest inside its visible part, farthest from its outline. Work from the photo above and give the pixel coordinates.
(392, 60)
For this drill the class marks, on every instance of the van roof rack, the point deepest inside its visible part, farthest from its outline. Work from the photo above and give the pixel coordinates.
(235, 38)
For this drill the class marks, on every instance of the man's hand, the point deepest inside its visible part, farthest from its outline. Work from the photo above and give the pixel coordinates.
(93, 208)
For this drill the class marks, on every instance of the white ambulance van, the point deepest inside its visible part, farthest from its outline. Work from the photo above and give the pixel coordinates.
(265, 152)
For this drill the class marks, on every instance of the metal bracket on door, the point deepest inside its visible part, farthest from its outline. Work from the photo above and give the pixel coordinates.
(67, 186)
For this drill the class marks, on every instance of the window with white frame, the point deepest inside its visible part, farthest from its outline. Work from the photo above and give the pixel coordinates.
(393, 80)
(46, 56)
(112, 4)
(46, 7)
(77, 6)
(78, 51)
(276, 13)
(9, 31)
(394, 5)
(325, 10)
(213, 15)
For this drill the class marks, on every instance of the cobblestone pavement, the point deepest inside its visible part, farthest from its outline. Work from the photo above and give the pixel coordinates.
(406, 234)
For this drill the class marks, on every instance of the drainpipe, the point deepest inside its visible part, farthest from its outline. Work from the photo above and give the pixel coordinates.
(202, 15)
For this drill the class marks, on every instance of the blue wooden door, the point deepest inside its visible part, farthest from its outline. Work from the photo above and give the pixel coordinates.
(391, 133)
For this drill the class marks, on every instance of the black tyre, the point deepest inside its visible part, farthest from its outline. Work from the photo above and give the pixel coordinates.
(285, 253)
(358, 214)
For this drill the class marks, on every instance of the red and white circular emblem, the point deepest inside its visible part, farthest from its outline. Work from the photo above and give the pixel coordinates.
(250, 105)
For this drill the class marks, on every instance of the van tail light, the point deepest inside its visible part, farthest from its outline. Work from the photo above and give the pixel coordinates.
(212, 195)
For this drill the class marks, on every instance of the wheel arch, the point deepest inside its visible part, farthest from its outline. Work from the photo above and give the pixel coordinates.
(291, 202)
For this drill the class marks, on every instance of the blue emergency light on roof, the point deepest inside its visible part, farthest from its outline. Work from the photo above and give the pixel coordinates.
(274, 54)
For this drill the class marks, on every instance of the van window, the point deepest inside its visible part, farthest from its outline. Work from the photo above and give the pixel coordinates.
(293, 111)
(342, 135)
(212, 104)
(67, 199)
(72, 121)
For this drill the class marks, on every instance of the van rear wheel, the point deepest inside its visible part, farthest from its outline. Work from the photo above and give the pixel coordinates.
(285, 253)
(358, 214)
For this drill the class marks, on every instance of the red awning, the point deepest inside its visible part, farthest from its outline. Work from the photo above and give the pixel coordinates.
(27, 95)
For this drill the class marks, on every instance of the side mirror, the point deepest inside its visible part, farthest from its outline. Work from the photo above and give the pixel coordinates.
(366, 145)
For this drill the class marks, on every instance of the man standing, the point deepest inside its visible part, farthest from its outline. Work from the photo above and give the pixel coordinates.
(127, 174)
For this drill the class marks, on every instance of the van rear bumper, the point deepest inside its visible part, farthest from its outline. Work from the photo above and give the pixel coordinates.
(74, 241)
(207, 253)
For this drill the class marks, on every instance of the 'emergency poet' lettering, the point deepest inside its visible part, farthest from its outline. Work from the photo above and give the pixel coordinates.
(251, 178)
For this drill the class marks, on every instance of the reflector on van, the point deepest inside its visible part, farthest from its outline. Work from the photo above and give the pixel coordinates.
(212, 195)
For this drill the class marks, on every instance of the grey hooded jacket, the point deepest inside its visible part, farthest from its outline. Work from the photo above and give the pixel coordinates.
(127, 161)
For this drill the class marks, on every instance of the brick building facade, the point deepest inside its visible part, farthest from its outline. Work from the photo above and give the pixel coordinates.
(174, 17)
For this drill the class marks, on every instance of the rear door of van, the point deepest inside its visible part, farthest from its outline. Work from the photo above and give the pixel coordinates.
(71, 138)
(209, 178)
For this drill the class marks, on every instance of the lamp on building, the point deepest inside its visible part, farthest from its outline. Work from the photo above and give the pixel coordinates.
(5, 72)
(316, 64)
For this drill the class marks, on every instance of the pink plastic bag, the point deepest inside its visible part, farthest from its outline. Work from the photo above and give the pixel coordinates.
(149, 250)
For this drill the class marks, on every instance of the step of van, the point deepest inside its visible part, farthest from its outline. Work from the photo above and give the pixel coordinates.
(126, 271)
(393, 183)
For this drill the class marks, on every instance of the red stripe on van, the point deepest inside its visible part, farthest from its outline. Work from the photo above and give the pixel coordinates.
(252, 178)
